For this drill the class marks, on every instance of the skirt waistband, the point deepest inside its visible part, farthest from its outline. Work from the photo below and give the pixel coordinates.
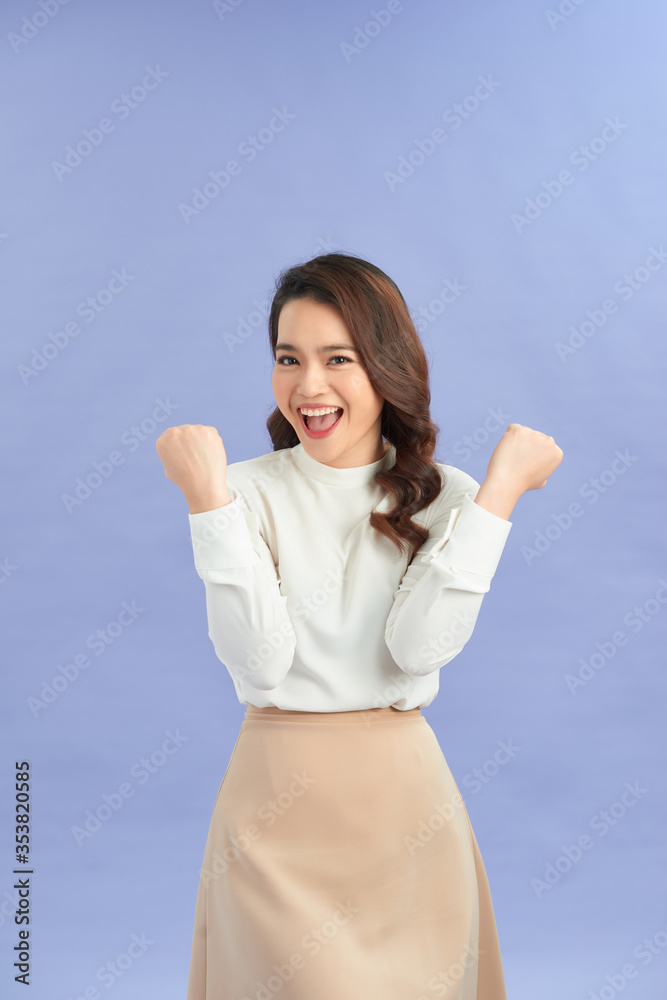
(361, 715)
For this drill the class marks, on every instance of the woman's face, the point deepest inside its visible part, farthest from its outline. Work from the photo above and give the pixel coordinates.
(307, 374)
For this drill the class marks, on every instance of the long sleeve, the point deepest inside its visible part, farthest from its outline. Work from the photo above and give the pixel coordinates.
(248, 622)
(436, 606)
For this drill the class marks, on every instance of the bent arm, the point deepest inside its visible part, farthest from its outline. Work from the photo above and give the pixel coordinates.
(435, 609)
(248, 622)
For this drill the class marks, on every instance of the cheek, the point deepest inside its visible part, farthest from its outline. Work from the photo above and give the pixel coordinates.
(358, 386)
(278, 392)
(282, 393)
(361, 392)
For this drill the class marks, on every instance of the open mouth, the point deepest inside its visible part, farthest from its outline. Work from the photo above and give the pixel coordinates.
(319, 427)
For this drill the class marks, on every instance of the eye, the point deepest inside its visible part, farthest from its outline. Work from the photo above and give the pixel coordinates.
(335, 357)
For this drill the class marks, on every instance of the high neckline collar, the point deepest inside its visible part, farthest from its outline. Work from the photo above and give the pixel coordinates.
(362, 475)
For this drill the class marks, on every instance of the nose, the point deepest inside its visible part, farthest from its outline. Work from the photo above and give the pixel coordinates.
(312, 381)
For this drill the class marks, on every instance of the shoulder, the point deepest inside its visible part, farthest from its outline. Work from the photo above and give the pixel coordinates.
(253, 475)
(456, 484)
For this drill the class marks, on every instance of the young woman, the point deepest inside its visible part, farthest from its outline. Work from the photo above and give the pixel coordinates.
(342, 570)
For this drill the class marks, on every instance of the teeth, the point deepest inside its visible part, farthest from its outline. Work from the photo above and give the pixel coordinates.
(319, 413)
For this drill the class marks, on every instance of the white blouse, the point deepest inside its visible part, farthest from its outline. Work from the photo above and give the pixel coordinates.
(311, 609)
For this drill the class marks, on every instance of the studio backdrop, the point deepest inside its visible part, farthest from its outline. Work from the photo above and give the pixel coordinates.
(504, 163)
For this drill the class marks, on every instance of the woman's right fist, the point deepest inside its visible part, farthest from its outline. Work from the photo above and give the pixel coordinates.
(194, 458)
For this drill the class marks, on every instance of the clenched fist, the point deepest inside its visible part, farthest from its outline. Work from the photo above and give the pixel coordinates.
(194, 458)
(524, 459)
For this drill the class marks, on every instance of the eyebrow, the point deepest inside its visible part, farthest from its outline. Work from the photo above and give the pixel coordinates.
(327, 347)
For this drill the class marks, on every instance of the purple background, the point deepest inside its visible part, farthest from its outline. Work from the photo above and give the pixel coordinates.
(190, 328)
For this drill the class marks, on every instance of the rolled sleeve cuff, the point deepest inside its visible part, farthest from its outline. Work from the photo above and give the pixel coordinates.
(473, 540)
(221, 538)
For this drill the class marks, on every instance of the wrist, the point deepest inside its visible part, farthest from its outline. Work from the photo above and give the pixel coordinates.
(211, 501)
(498, 496)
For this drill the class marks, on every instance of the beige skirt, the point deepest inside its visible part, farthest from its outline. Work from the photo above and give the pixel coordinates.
(340, 864)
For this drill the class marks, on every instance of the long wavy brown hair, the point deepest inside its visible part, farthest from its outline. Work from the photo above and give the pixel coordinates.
(377, 316)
